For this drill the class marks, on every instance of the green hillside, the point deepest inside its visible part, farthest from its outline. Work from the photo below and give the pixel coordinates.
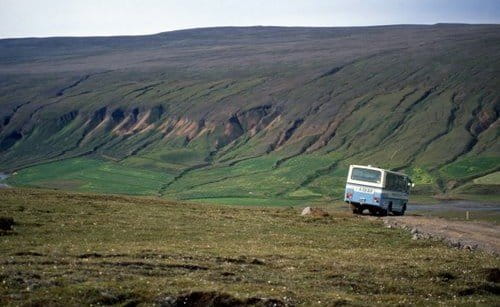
(234, 115)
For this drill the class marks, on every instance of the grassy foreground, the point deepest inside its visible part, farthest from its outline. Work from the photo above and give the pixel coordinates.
(70, 248)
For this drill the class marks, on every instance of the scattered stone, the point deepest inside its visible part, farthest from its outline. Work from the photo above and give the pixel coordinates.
(470, 247)
(424, 236)
(314, 212)
(430, 233)
(257, 261)
(166, 301)
(306, 211)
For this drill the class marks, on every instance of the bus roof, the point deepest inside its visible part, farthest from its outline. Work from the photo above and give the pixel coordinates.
(378, 169)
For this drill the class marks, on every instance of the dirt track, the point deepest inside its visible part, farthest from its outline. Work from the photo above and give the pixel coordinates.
(469, 235)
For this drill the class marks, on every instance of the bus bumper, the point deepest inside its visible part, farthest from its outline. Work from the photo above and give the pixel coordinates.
(364, 199)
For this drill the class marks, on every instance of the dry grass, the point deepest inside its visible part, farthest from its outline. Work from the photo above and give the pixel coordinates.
(70, 248)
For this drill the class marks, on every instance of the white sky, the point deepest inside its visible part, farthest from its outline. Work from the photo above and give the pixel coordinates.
(41, 18)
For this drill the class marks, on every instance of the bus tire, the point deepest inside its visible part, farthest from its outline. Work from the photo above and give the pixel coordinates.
(355, 209)
(402, 212)
(382, 212)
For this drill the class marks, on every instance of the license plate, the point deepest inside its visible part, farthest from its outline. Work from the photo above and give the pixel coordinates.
(365, 190)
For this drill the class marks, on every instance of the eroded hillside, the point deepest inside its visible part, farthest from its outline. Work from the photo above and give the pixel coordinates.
(253, 112)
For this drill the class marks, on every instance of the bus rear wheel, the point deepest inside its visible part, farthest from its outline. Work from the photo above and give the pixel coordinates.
(402, 212)
(382, 212)
(378, 211)
(356, 209)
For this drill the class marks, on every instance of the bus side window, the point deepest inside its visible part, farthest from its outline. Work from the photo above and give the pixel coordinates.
(396, 183)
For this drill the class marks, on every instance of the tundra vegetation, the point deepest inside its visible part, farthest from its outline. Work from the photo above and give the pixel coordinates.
(79, 248)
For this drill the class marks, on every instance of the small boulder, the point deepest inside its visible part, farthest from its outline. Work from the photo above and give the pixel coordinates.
(306, 211)
(470, 247)
(314, 212)
(257, 261)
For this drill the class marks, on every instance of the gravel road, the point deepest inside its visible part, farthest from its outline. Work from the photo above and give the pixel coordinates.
(462, 234)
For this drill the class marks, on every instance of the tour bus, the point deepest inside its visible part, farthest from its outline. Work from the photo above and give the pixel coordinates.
(378, 190)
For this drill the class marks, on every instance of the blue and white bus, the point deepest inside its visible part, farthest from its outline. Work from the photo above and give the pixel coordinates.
(378, 190)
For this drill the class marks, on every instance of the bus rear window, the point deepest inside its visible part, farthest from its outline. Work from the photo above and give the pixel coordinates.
(368, 175)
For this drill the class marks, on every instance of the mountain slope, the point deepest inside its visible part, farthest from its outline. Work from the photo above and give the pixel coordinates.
(254, 112)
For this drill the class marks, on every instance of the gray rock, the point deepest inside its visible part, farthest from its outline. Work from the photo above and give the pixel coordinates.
(470, 247)
(167, 301)
(316, 212)
(306, 211)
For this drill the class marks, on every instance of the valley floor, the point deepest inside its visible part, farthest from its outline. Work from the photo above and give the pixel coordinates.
(255, 181)
(74, 248)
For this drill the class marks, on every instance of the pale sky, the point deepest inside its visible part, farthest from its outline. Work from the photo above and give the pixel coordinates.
(42, 18)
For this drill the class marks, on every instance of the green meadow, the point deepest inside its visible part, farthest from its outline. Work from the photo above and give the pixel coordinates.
(250, 182)
(83, 174)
